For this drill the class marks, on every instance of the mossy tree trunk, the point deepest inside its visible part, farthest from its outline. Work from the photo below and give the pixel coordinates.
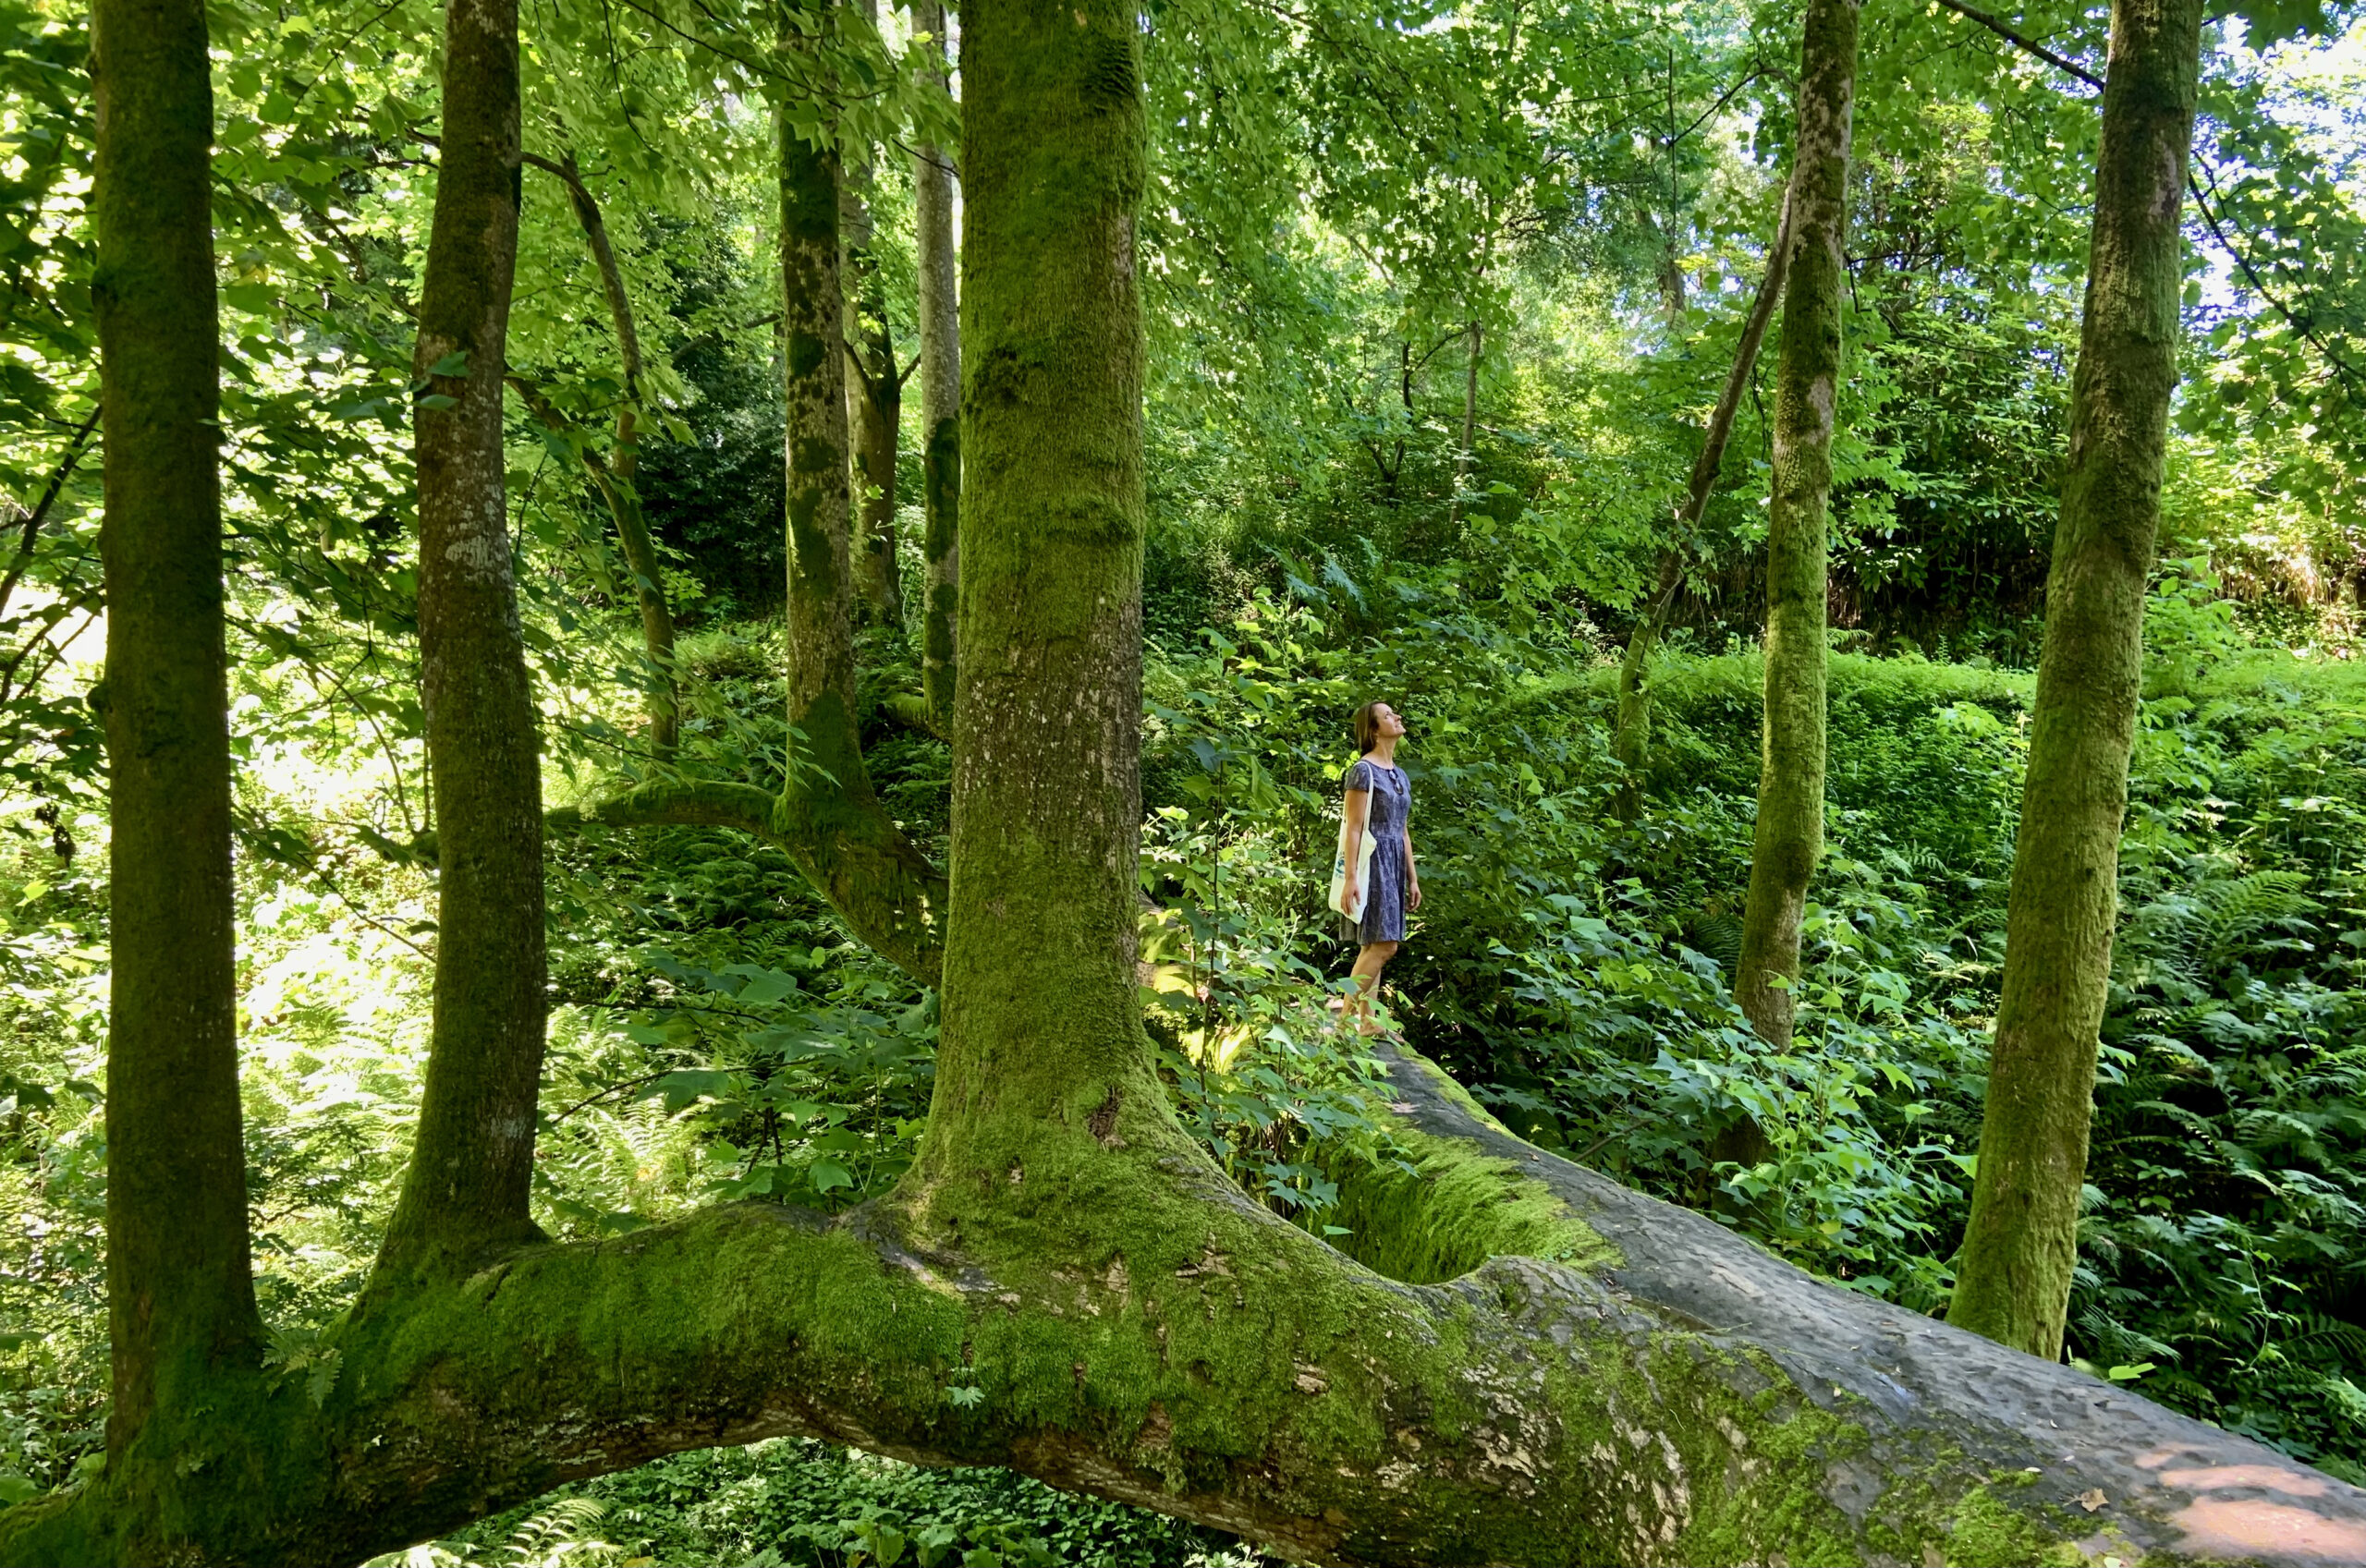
(874, 392)
(940, 371)
(1631, 730)
(826, 815)
(180, 1291)
(615, 478)
(840, 835)
(1133, 1325)
(2014, 1274)
(466, 1190)
(1046, 796)
(1789, 839)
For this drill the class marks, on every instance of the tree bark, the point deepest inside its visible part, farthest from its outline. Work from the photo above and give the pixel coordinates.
(934, 186)
(1654, 1389)
(1046, 791)
(874, 392)
(180, 1291)
(1631, 733)
(2020, 1246)
(466, 1190)
(841, 836)
(614, 479)
(1789, 836)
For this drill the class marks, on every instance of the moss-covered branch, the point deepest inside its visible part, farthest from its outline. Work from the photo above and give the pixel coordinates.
(890, 895)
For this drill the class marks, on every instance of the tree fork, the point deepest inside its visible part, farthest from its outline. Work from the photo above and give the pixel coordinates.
(467, 1190)
(1789, 839)
(2021, 1240)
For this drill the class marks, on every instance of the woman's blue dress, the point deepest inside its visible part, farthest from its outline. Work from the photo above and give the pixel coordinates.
(1392, 806)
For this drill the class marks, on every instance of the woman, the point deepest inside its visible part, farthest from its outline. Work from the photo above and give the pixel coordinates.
(1379, 802)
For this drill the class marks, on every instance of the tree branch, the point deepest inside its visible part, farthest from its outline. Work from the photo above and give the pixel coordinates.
(604, 255)
(2024, 42)
(67, 463)
(2305, 329)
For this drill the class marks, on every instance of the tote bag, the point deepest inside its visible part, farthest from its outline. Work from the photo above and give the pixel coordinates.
(1363, 872)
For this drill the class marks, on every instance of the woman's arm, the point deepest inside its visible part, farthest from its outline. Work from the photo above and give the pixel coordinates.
(1359, 813)
(1412, 875)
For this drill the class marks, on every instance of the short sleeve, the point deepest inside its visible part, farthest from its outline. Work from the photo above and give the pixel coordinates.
(1360, 777)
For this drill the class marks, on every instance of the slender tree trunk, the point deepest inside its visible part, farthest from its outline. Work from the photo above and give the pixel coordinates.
(1467, 454)
(622, 495)
(615, 479)
(1631, 737)
(874, 392)
(468, 1187)
(826, 815)
(841, 838)
(877, 401)
(940, 323)
(2014, 1275)
(180, 1290)
(1789, 836)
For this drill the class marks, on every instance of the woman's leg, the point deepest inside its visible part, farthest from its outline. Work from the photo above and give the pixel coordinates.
(1369, 963)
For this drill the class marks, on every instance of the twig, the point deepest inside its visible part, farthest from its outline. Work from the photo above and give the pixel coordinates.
(2306, 329)
(67, 464)
(2024, 41)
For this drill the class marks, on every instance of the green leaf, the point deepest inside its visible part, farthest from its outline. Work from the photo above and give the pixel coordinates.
(453, 364)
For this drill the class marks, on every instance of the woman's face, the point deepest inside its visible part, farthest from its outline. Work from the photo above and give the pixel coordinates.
(1386, 721)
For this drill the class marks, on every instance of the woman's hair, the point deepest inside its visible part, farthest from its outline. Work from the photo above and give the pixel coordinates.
(1367, 725)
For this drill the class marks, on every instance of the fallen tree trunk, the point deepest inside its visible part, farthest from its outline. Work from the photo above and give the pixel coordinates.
(1661, 1391)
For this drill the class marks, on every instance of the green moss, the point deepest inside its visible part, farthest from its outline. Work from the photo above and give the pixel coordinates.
(1985, 1532)
(1454, 1208)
